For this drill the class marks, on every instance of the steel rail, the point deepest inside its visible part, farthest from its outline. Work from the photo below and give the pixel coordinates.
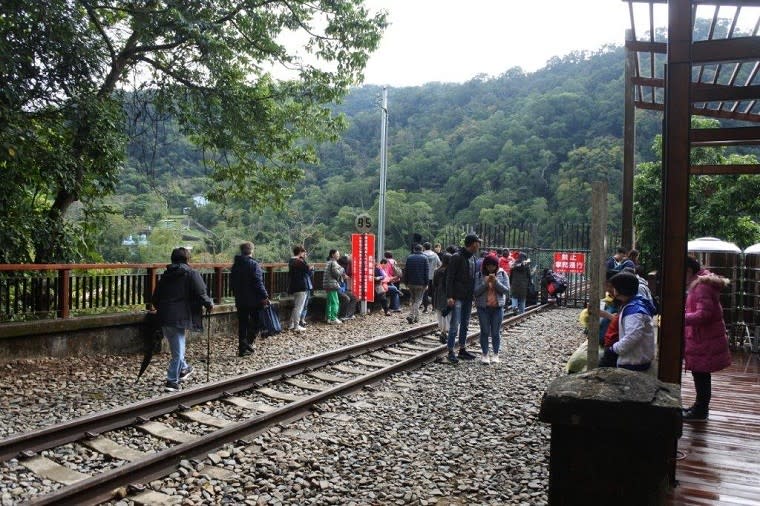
(102, 487)
(79, 428)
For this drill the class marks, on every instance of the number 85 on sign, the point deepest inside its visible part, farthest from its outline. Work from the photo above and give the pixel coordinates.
(363, 223)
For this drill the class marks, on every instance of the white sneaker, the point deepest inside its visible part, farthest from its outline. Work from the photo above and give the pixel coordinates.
(495, 359)
(484, 359)
(338, 321)
(298, 329)
(334, 322)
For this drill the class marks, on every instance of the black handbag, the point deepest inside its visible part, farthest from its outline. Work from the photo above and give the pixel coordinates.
(270, 320)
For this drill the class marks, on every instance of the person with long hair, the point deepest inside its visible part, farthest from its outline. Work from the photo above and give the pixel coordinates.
(491, 288)
(705, 341)
(334, 276)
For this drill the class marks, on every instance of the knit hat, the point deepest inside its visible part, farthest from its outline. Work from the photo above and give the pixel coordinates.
(490, 260)
(625, 283)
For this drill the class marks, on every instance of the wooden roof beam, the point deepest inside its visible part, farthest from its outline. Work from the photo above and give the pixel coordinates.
(724, 136)
(726, 50)
(725, 169)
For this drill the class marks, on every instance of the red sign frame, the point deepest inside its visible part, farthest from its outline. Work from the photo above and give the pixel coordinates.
(363, 266)
(569, 262)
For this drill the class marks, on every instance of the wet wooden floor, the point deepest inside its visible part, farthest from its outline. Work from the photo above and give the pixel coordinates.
(720, 459)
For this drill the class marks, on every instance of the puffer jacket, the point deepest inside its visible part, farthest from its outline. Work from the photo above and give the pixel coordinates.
(636, 335)
(519, 279)
(180, 296)
(706, 344)
(247, 280)
(334, 275)
(298, 275)
(416, 270)
(481, 288)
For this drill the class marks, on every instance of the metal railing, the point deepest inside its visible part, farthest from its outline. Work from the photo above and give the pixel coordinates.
(49, 291)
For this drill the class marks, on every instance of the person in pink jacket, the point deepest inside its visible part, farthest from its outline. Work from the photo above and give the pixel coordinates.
(706, 344)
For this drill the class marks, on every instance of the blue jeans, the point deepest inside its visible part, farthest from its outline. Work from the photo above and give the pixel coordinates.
(460, 321)
(518, 304)
(394, 297)
(490, 326)
(176, 338)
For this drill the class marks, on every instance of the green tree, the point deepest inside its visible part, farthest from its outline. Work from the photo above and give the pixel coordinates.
(723, 206)
(69, 66)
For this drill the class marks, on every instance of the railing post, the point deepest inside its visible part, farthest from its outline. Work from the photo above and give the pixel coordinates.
(218, 285)
(269, 279)
(64, 282)
(150, 286)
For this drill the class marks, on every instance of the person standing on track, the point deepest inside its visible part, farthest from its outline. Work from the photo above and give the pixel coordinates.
(491, 288)
(434, 261)
(519, 279)
(460, 285)
(179, 297)
(416, 272)
(247, 280)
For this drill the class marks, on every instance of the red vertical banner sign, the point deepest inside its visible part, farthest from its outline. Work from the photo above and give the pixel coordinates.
(363, 266)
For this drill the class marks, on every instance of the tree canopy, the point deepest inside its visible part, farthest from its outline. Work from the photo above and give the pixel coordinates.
(81, 79)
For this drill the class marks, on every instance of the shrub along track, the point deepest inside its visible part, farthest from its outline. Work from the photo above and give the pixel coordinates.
(242, 406)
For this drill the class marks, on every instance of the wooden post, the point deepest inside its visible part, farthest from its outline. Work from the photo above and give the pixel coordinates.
(64, 283)
(675, 195)
(269, 279)
(596, 262)
(629, 141)
(218, 285)
(150, 286)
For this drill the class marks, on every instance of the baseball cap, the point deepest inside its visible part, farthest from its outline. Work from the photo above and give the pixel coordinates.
(471, 238)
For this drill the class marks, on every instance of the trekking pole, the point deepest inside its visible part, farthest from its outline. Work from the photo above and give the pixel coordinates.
(208, 347)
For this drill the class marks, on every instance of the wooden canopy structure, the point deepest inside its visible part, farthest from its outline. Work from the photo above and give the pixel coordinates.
(684, 74)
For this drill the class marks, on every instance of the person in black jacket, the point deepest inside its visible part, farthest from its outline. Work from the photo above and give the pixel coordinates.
(299, 273)
(460, 285)
(179, 296)
(247, 280)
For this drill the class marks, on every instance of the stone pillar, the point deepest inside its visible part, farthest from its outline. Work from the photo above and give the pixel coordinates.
(614, 437)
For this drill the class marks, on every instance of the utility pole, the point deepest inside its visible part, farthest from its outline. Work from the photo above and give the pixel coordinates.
(383, 175)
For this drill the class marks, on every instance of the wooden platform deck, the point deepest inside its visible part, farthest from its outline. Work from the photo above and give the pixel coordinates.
(719, 460)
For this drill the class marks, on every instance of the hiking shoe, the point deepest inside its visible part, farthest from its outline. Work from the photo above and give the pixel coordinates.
(452, 358)
(424, 310)
(410, 319)
(171, 386)
(186, 373)
(465, 355)
(692, 415)
(244, 353)
(484, 359)
(495, 359)
(443, 337)
(302, 323)
(298, 328)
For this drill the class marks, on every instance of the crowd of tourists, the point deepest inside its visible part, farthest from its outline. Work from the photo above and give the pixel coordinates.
(447, 282)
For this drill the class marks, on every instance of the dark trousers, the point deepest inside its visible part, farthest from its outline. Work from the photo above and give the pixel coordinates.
(427, 296)
(703, 387)
(248, 326)
(347, 304)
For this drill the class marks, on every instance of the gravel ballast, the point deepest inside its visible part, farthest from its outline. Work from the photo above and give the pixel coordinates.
(442, 434)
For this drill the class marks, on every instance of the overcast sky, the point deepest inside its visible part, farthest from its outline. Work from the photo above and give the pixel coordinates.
(454, 40)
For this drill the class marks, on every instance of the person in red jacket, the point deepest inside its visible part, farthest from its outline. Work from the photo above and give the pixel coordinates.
(705, 341)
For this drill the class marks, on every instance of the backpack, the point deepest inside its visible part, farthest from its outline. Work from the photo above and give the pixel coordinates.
(560, 283)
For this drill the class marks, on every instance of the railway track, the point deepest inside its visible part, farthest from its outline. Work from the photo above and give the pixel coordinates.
(194, 422)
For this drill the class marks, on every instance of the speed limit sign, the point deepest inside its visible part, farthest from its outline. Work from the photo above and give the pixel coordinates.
(363, 223)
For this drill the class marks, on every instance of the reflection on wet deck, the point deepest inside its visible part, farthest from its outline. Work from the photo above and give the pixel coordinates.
(721, 457)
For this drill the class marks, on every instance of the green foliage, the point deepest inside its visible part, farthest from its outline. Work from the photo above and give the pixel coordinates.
(69, 88)
(721, 206)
